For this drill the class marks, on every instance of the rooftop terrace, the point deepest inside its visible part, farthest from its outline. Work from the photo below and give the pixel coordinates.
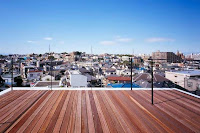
(98, 111)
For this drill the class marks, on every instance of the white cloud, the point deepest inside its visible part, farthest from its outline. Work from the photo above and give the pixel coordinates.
(116, 40)
(31, 41)
(159, 39)
(108, 42)
(48, 38)
(61, 42)
(124, 39)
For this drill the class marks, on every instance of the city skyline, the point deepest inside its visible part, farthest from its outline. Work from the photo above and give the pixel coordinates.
(115, 27)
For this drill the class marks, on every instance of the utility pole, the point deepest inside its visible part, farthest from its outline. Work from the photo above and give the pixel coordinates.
(51, 73)
(49, 48)
(12, 74)
(91, 69)
(131, 73)
(152, 76)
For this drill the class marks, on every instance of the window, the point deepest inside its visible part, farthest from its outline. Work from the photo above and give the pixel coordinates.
(198, 86)
(189, 84)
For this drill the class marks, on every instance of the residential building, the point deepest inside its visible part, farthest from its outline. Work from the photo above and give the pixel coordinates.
(180, 77)
(34, 75)
(76, 79)
(192, 84)
(164, 57)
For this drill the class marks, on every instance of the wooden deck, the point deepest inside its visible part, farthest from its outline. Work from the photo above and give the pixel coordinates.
(99, 111)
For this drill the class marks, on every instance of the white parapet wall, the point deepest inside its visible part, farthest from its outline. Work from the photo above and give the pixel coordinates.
(92, 88)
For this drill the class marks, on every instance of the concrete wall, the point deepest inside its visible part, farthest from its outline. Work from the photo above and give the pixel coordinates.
(77, 80)
(176, 78)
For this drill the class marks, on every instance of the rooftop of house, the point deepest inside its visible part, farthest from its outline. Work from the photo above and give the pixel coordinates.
(98, 111)
(188, 72)
(147, 77)
(74, 72)
(119, 78)
(46, 83)
(10, 75)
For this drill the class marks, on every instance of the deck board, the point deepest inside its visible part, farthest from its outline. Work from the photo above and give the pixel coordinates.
(98, 111)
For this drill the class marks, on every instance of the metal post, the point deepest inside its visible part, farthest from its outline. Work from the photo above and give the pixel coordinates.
(51, 73)
(12, 74)
(131, 73)
(152, 82)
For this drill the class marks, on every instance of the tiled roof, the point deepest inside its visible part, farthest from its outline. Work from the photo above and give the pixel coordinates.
(119, 78)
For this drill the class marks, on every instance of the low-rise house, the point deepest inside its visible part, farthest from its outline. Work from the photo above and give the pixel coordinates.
(144, 80)
(47, 78)
(179, 77)
(34, 75)
(8, 79)
(110, 71)
(76, 79)
(193, 84)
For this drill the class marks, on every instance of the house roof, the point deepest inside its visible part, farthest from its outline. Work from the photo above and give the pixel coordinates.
(110, 70)
(147, 77)
(119, 78)
(46, 83)
(188, 72)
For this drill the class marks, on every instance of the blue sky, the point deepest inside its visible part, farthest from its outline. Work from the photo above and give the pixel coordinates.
(112, 26)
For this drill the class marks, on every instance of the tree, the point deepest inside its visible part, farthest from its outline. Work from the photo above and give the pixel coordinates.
(51, 57)
(18, 80)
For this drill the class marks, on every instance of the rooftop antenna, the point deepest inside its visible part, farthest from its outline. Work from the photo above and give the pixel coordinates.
(91, 67)
(49, 48)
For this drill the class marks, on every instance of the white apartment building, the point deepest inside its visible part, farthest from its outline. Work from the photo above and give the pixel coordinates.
(180, 77)
(76, 79)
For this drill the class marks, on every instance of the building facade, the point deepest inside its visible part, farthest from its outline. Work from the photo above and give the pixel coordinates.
(166, 57)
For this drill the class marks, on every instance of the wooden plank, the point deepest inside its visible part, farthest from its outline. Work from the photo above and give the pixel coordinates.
(124, 121)
(109, 121)
(21, 124)
(101, 115)
(13, 102)
(21, 110)
(72, 116)
(161, 115)
(78, 114)
(133, 120)
(84, 123)
(51, 113)
(62, 113)
(113, 116)
(40, 118)
(66, 119)
(7, 99)
(188, 104)
(54, 118)
(181, 109)
(15, 110)
(172, 111)
(156, 124)
(91, 128)
(96, 120)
